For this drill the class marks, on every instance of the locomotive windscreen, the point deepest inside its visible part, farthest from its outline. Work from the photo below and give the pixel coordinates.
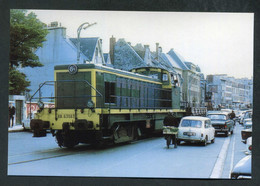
(72, 90)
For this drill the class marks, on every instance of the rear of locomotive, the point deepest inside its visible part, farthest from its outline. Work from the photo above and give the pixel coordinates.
(75, 117)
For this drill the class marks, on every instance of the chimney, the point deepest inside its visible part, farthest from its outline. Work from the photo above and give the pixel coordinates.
(63, 31)
(54, 24)
(112, 48)
(157, 50)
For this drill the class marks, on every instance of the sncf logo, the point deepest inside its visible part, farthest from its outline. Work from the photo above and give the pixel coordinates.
(73, 69)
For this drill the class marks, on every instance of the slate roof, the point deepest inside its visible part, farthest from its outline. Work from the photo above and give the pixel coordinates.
(125, 57)
(140, 50)
(105, 56)
(188, 64)
(177, 59)
(87, 46)
(162, 62)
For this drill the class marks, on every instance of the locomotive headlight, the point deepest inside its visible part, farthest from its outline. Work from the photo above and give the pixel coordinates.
(90, 105)
(41, 105)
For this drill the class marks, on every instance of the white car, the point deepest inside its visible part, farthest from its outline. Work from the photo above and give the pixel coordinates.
(196, 129)
(248, 123)
(245, 115)
(249, 145)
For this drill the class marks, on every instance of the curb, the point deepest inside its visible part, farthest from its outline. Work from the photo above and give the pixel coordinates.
(16, 130)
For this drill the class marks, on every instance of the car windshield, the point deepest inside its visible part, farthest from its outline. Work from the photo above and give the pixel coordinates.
(217, 117)
(191, 123)
(248, 115)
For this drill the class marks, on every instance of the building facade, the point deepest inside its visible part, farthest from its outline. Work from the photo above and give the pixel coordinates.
(59, 49)
(229, 92)
(127, 57)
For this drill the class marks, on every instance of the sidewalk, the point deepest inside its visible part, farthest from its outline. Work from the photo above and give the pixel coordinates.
(16, 128)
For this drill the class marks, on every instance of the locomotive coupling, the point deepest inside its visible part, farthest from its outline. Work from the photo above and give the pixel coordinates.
(39, 127)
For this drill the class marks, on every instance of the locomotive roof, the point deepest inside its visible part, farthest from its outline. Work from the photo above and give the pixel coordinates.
(109, 69)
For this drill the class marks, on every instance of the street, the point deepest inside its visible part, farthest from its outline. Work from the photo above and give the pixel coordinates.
(144, 158)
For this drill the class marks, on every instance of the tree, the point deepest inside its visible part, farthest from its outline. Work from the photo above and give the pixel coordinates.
(27, 33)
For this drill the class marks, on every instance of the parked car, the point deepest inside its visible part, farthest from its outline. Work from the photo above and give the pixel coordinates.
(213, 111)
(226, 110)
(242, 169)
(246, 133)
(196, 129)
(249, 145)
(247, 123)
(221, 122)
(241, 117)
(248, 114)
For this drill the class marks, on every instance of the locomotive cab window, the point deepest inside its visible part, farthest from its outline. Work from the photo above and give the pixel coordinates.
(165, 77)
(110, 92)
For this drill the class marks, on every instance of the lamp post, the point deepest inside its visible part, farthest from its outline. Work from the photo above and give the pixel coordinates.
(78, 38)
(190, 81)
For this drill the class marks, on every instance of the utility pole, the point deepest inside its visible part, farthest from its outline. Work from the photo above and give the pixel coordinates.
(78, 38)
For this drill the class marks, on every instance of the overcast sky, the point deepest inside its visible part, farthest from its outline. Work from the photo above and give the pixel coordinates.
(220, 43)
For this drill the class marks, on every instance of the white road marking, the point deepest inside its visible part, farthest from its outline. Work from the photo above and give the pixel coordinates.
(219, 165)
(233, 152)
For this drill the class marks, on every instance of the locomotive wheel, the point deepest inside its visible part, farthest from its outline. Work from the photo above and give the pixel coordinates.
(66, 139)
(59, 138)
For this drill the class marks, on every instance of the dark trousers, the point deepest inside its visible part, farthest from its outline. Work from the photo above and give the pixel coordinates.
(174, 140)
(11, 118)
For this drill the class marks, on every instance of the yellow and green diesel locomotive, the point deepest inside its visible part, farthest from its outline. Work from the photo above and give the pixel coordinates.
(96, 104)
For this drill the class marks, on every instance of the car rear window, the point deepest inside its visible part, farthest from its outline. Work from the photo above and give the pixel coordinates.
(217, 116)
(191, 123)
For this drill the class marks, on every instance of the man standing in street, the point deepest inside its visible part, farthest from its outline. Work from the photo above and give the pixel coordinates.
(11, 116)
(232, 116)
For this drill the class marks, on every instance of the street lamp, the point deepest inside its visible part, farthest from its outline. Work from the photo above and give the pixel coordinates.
(78, 39)
(191, 78)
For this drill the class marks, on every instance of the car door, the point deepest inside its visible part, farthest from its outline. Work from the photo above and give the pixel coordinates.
(207, 129)
(229, 123)
(210, 129)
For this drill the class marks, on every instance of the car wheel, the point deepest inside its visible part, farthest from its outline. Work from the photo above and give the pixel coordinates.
(178, 142)
(232, 132)
(213, 140)
(226, 134)
(204, 143)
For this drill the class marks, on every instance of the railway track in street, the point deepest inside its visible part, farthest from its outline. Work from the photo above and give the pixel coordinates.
(56, 153)
(46, 154)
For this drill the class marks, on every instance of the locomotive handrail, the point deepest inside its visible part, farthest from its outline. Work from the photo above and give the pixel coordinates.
(42, 84)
